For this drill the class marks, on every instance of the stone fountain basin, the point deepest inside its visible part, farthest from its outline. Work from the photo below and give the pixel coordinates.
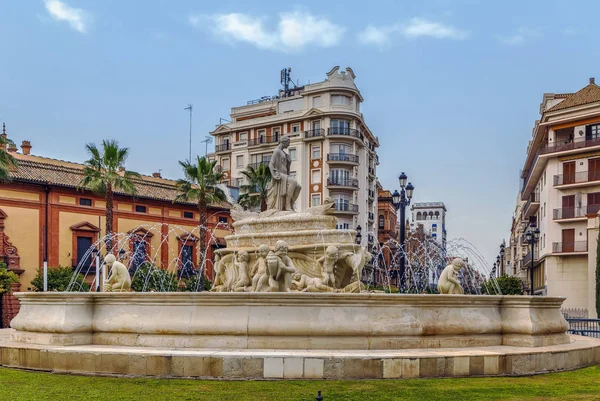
(303, 321)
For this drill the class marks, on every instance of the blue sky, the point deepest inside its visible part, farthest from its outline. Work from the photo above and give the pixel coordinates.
(452, 88)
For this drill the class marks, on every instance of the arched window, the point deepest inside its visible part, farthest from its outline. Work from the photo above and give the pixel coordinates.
(381, 222)
(430, 215)
(419, 216)
(437, 215)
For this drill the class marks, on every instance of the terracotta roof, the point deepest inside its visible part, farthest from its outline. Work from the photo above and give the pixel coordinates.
(588, 94)
(41, 170)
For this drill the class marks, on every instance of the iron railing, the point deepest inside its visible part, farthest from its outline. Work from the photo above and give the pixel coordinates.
(371, 171)
(371, 194)
(263, 140)
(577, 143)
(584, 327)
(567, 247)
(371, 216)
(568, 213)
(255, 165)
(222, 148)
(342, 157)
(344, 132)
(314, 133)
(340, 182)
(533, 198)
(346, 207)
(576, 178)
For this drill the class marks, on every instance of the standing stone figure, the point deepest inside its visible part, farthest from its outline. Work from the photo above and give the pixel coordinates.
(283, 189)
(448, 282)
(119, 279)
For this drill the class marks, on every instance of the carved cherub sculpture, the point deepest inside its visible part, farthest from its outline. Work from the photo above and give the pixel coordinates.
(242, 265)
(259, 273)
(119, 279)
(304, 283)
(448, 281)
(327, 263)
(280, 274)
(219, 282)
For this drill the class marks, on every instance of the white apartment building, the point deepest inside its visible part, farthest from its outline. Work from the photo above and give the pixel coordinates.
(432, 216)
(333, 150)
(560, 195)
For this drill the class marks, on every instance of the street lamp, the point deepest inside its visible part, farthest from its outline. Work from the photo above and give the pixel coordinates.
(96, 258)
(498, 263)
(401, 200)
(502, 269)
(532, 236)
(358, 234)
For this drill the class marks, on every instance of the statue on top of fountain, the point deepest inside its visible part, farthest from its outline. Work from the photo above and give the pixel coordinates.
(283, 189)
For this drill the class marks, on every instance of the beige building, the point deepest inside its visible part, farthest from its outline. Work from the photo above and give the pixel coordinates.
(333, 150)
(560, 195)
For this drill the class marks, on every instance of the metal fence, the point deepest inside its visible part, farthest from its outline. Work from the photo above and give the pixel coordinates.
(584, 327)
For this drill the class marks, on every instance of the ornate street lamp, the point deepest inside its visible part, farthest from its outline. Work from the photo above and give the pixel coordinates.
(401, 200)
(532, 236)
(358, 234)
(502, 269)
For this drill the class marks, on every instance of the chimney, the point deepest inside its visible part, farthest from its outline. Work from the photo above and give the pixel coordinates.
(593, 81)
(156, 175)
(12, 148)
(26, 147)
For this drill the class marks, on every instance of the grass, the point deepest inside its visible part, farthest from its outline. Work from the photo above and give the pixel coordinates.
(582, 384)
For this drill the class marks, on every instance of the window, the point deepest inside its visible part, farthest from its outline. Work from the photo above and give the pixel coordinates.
(340, 127)
(339, 175)
(381, 222)
(85, 201)
(262, 134)
(342, 226)
(315, 176)
(316, 152)
(243, 136)
(593, 132)
(139, 255)
(140, 209)
(292, 153)
(188, 215)
(239, 161)
(434, 235)
(239, 182)
(340, 100)
(276, 132)
(341, 148)
(295, 127)
(225, 164)
(434, 227)
(317, 101)
(223, 220)
(83, 246)
(316, 200)
(544, 210)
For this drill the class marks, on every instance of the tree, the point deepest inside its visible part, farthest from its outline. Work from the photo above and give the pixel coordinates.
(60, 279)
(104, 174)
(509, 285)
(6, 279)
(7, 161)
(200, 185)
(254, 194)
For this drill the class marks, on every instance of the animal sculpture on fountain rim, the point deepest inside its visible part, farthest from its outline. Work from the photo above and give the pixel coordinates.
(119, 279)
(448, 282)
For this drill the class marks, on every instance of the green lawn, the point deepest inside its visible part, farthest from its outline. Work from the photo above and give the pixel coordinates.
(583, 384)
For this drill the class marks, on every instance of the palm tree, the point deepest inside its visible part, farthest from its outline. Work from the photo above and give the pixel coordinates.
(104, 174)
(254, 193)
(201, 185)
(7, 161)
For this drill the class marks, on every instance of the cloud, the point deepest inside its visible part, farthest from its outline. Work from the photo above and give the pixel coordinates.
(414, 28)
(522, 36)
(294, 31)
(77, 18)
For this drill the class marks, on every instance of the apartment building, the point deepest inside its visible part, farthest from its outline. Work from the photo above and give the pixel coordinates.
(333, 151)
(432, 216)
(560, 195)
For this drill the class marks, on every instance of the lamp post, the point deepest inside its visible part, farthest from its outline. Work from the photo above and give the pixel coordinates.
(358, 234)
(502, 269)
(96, 257)
(401, 200)
(532, 236)
(499, 265)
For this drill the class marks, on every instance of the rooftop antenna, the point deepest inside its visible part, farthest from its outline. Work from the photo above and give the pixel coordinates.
(190, 109)
(285, 80)
(206, 141)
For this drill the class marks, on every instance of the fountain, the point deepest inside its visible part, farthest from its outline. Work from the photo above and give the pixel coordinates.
(288, 301)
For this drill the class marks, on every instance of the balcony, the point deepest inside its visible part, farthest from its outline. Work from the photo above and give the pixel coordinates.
(371, 216)
(562, 146)
(345, 132)
(348, 183)
(222, 148)
(569, 213)
(342, 158)
(371, 173)
(580, 177)
(255, 165)
(345, 208)
(570, 247)
(264, 140)
(317, 133)
(532, 205)
(371, 194)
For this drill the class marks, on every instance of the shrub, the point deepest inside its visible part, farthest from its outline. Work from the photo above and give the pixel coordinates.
(509, 285)
(6, 278)
(59, 279)
(193, 284)
(150, 278)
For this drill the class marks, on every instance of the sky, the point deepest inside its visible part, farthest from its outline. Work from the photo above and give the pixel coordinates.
(452, 87)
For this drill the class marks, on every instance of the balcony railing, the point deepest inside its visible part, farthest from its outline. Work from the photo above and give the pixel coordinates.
(569, 213)
(534, 198)
(345, 132)
(314, 133)
(222, 148)
(342, 157)
(371, 194)
(255, 165)
(576, 178)
(561, 146)
(348, 182)
(346, 207)
(567, 247)
(371, 171)
(371, 216)
(263, 140)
